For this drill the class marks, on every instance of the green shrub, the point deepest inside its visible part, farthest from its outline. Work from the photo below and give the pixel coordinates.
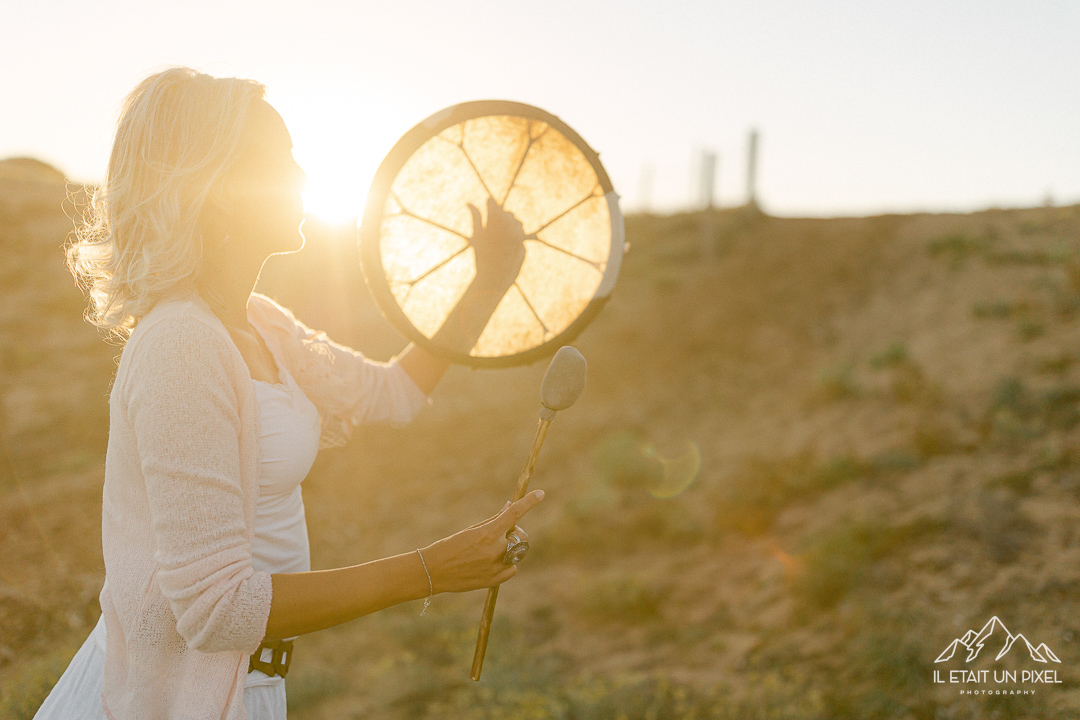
(836, 383)
(893, 461)
(955, 248)
(26, 691)
(996, 310)
(1021, 257)
(1029, 329)
(1056, 365)
(834, 472)
(1058, 406)
(627, 600)
(752, 497)
(1018, 481)
(308, 687)
(836, 559)
(887, 669)
(1018, 413)
(891, 356)
(933, 437)
(765, 696)
(911, 385)
(1000, 527)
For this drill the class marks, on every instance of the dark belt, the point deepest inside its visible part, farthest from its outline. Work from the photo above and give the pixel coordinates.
(279, 661)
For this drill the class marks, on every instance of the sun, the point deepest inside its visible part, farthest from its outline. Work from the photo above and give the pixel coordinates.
(332, 195)
(339, 170)
(339, 140)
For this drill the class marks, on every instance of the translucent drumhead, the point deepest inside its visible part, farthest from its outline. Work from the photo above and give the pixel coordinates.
(415, 233)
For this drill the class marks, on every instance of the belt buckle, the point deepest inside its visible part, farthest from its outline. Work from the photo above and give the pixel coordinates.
(280, 658)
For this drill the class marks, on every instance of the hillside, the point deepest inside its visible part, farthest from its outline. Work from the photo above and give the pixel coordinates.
(885, 410)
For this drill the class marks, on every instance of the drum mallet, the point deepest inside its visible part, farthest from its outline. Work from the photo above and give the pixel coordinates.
(562, 386)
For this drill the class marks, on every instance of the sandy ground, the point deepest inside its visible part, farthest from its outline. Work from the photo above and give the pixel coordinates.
(885, 411)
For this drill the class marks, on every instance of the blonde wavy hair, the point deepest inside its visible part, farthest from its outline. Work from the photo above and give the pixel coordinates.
(140, 239)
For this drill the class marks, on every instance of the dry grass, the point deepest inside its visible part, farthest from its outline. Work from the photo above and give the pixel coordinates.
(887, 415)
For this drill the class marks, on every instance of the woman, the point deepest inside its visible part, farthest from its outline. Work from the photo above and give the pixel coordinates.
(220, 402)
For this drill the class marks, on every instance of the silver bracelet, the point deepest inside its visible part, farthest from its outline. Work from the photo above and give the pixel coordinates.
(427, 600)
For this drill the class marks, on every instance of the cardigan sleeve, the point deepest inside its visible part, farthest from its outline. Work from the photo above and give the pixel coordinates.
(185, 413)
(383, 391)
(378, 392)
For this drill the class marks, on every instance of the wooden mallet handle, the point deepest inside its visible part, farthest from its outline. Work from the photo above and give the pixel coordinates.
(493, 592)
(562, 385)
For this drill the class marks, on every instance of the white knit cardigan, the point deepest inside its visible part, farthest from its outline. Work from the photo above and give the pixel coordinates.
(182, 606)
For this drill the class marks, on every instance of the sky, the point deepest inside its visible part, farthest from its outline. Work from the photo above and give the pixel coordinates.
(862, 106)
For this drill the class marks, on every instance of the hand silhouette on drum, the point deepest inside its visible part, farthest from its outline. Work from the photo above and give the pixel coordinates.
(498, 247)
(499, 251)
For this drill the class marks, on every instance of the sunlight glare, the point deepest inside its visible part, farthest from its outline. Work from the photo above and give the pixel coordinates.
(333, 196)
(339, 139)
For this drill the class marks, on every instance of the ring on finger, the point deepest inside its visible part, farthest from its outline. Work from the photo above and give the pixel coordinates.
(516, 549)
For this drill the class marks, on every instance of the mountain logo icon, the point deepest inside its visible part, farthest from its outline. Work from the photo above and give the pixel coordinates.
(995, 629)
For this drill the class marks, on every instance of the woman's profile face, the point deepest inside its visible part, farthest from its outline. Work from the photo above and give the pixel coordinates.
(263, 186)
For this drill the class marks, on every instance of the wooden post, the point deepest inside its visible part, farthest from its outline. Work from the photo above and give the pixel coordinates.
(707, 223)
(645, 188)
(751, 169)
(708, 178)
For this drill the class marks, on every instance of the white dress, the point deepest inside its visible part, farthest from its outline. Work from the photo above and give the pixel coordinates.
(288, 442)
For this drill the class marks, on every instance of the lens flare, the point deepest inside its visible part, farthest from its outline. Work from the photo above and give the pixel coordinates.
(680, 468)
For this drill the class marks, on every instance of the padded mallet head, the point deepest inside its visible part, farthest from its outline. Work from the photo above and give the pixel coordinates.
(563, 381)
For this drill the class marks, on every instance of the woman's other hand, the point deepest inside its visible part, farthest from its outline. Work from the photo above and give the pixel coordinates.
(473, 558)
(468, 560)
